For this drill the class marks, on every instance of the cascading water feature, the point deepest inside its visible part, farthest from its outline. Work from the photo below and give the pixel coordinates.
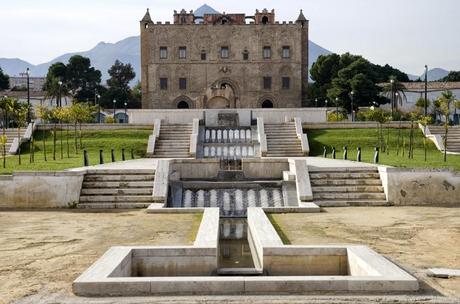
(233, 202)
(228, 143)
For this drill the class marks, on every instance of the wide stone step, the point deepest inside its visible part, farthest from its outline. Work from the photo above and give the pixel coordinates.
(120, 172)
(345, 182)
(118, 184)
(350, 195)
(115, 198)
(347, 203)
(115, 191)
(284, 155)
(344, 175)
(109, 205)
(347, 189)
(126, 178)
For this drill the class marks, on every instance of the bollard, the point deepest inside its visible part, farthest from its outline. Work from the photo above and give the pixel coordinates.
(376, 155)
(123, 158)
(358, 157)
(333, 152)
(85, 158)
(345, 153)
(132, 154)
(324, 152)
(101, 157)
(112, 153)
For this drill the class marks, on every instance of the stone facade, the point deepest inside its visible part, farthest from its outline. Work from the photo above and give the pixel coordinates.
(224, 61)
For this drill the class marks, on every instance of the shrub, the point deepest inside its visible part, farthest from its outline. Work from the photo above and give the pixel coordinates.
(333, 116)
(109, 120)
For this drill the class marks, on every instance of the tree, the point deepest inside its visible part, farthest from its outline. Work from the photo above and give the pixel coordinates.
(78, 77)
(4, 81)
(394, 91)
(445, 101)
(421, 103)
(80, 113)
(452, 76)
(82, 79)
(45, 115)
(20, 114)
(425, 121)
(118, 86)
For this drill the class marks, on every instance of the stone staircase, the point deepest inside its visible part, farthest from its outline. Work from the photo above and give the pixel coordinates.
(339, 187)
(174, 141)
(11, 134)
(108, 189)
(453, 137)
(282, 140)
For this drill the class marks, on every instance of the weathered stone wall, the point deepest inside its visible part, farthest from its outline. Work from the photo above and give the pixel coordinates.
(40, 189)
(244, 76)
(420, 187)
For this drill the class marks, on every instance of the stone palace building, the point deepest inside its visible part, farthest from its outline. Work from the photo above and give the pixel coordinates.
(224, 61)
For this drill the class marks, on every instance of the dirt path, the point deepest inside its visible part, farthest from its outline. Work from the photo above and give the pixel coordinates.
(49, 249)
(415, 237)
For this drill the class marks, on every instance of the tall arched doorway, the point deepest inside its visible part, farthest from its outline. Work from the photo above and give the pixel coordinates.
(267, 104)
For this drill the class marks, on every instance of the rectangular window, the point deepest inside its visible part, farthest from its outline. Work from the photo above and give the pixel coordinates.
(267, 52)
(182, 83)
(245, 55)
(203, 55)
(182, 52)
(163, 52)
(224, 52)
(163, 83)
(286, 82)
(286, 52)
(267, 83)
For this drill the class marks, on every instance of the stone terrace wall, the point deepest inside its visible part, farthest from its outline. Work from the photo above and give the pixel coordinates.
(418, 187)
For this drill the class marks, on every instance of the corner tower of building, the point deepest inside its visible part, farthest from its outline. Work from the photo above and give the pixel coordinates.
(224, 60)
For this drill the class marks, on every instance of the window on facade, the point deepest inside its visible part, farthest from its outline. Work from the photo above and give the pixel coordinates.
(264, 20)
(267, 104)
(163, 52)
(183, 105)
(267, 83)
(267, 52)
(182, 83)
(286, 82)
(203, 55)
(245, 55)
(224, 52)
(182, 52)
(163, 83)
(286, 52)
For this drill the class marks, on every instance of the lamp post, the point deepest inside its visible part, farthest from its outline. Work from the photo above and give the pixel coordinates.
(352, 108)
(337, 106)
(98, 98)
(126, 114)
(392, 96)
(59, 101)
(28, 94)
(316, 102)
(426, 90)
(114, 103)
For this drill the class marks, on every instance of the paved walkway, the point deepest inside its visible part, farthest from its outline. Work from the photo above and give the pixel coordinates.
(143, 163)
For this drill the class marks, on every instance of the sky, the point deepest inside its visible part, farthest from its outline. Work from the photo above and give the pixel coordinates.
(404, 33)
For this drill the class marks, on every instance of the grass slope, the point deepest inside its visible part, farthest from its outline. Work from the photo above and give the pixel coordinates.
(92, 141)
(367, 139)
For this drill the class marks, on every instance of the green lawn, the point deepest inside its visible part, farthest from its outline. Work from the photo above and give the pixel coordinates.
(92, 141)
(367, 139)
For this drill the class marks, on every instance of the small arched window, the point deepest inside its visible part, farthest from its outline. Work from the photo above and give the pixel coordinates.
(267, 104)
(146, 25)
(183, 105)
(264, 20)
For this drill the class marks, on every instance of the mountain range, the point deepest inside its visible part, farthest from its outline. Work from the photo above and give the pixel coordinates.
(103, 55)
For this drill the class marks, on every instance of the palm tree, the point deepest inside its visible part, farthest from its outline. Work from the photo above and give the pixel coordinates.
(394, 91)
(447, 98)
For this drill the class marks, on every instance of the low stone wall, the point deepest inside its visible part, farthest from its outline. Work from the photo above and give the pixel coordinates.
(166, 116)
(418, 187)
(40, 189)
(96, 126)
(307, 115)
(355, 125)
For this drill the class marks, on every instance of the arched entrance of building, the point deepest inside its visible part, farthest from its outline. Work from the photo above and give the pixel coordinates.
(183, 105)
(267, 103)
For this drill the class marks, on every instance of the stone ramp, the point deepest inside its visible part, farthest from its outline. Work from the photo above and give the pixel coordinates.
(109, 189)
(11, 134)
(353, 186)
(282, 140)
(174, 141)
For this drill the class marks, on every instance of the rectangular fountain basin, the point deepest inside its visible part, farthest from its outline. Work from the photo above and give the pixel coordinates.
(276, 268)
